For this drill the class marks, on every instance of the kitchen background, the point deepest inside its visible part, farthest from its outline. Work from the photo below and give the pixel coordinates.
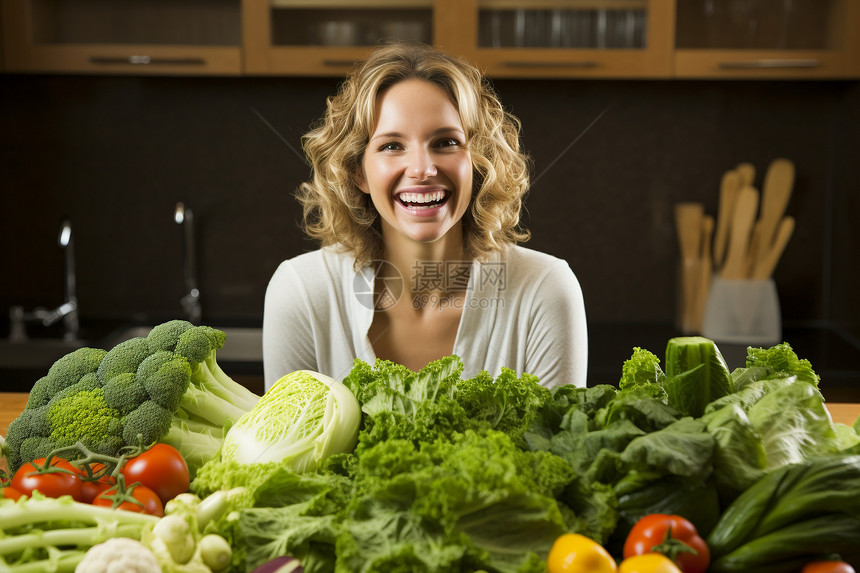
(114, 154)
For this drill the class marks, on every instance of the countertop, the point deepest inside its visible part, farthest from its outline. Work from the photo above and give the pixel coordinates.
(11, 404)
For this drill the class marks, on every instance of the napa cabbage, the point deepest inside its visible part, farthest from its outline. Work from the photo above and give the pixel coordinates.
(304, 418)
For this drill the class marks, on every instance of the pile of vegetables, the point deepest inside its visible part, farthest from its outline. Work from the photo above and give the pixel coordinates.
(486, 474)
(683, 466)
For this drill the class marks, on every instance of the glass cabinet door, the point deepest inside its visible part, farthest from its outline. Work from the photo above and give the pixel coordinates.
(573, 37)
(326, 37)
(144, 36)
(770, 38)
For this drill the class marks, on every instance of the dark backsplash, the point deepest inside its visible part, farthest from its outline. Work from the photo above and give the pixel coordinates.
(611, 158)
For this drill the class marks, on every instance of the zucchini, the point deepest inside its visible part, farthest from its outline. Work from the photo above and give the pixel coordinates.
(795, 514)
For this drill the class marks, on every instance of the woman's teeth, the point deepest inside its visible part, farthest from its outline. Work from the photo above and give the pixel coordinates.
(421, 199)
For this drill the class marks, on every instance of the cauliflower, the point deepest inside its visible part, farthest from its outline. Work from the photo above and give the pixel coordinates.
(119, 555)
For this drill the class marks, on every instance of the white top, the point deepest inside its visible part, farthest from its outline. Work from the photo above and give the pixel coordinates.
(523, 310)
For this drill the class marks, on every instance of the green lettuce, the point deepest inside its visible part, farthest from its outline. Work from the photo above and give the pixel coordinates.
(442, 479)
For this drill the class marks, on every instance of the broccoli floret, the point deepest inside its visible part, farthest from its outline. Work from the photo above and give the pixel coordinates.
(166, 335)
(88, 381)
(65, 372)
(84, 416)
(125, 392)
(197, 343)
(124, 357)
(165, 377)
(18, 431)
(166, 386)
(149, 420)
(71, 367)
(40, 393)
(35, 447)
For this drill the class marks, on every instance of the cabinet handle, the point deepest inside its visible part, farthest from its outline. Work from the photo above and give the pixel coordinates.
(338, 63)
(770, 64)
(581, 64)
(146, 60)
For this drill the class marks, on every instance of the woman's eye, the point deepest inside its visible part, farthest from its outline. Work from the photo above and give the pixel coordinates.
(390, 147)
(448, 142)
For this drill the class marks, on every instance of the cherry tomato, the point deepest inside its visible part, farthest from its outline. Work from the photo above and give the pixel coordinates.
(162, 469)
(831, 566)
(661, 533)
(148, 500)
(91, 487)
(10, 492)
(64, 480)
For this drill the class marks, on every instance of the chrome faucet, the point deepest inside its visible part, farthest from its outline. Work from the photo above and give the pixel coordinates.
(68, 311)
(191, 301)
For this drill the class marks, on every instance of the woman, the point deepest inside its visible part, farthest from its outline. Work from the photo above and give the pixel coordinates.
(415, 198)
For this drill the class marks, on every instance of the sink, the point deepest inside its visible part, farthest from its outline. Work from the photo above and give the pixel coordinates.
(35, 353)
(243, 344)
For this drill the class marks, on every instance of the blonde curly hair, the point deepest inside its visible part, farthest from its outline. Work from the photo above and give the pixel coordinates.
(336, 211)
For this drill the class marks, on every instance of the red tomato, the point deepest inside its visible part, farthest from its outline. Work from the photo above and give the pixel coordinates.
(832, 566)
(91, 487)
(62, 479)
(162, 469)
(148, 501)
(660, 533)
(10, 492)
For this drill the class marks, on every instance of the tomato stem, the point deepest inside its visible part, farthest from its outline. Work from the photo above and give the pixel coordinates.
(672, 546)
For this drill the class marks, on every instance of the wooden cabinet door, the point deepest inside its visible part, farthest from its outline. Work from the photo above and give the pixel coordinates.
(106, 36)
(326, 37)
(767, 39)
(568, 38)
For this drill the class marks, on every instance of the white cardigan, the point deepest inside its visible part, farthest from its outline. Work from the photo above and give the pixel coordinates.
(524, 310)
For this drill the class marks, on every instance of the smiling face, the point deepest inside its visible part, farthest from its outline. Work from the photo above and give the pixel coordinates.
(417, 168)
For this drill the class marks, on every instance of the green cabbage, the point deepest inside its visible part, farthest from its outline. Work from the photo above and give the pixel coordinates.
(304, 418)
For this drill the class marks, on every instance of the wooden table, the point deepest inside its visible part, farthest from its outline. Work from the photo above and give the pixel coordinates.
(11, 404)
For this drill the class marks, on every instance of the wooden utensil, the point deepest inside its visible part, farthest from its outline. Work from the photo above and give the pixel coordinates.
(729, 188)
(746, 172)
(688, 221)
(766, 264)
(705, 271)
(776, 192)
(743, 217)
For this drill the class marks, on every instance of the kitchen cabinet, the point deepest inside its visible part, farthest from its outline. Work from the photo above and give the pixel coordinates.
(756, 39)
(766, 39)
(568, 38)
(105, 36)
(326, 37)
(505, 38)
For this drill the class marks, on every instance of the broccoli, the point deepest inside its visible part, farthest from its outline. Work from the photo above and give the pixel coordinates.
(166, 386)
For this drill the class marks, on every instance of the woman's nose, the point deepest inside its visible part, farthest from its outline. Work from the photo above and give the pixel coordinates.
(421, 165)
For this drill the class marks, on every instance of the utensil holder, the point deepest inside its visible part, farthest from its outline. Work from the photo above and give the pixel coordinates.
(743, 311)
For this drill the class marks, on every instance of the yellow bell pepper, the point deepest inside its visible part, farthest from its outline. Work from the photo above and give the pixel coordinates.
(575, 553)
(648, 563)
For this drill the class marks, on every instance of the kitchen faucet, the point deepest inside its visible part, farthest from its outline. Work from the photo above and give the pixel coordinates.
(191, 301)
(68, 311)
